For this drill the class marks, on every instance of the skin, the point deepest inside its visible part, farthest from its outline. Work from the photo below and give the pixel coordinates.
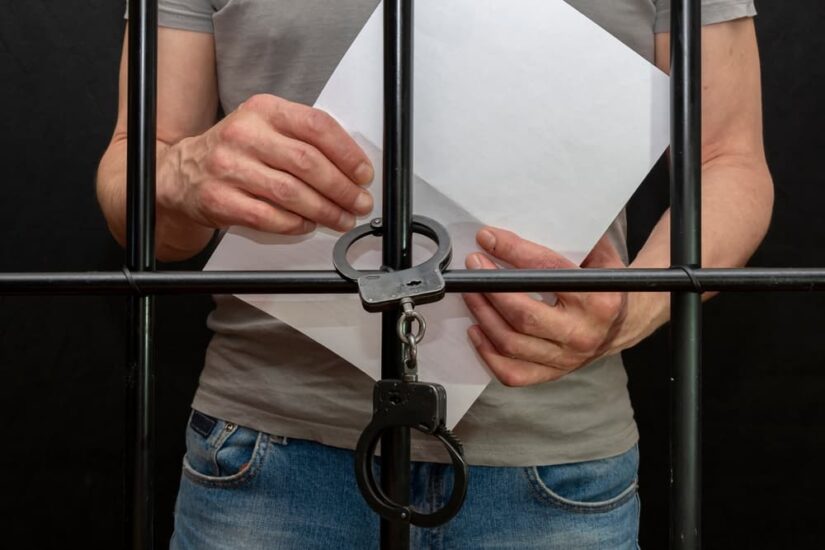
(282, 167)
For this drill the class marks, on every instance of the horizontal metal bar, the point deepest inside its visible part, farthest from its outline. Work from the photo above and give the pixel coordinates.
(329, 282)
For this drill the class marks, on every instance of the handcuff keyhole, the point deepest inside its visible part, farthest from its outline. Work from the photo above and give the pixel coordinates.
(414, 283)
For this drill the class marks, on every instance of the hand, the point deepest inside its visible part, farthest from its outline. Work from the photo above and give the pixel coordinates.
(526, 341)
(271, 165)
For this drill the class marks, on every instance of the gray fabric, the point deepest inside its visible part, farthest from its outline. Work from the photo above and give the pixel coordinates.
(713, 11)
(263, 374)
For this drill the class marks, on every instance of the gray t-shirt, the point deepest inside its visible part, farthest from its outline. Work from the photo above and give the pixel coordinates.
(263, 374)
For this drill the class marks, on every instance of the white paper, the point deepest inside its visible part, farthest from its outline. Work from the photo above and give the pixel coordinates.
(528, 116)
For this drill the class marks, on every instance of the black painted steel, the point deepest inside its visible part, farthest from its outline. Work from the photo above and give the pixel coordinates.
(330, 282)
(140, 257)
(686, 245)
(397, 241)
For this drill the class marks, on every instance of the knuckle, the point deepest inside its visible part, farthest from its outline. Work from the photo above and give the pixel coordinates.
(220, 161)
(284, 190)
(295, 226)
(606, 305)
(318, 121)
(328, 212)
(527, 321)
(511, 378)
(346, 194)
(509, 346)
(256, 217)
(259, 102)
(235, 130)
(585, 340)
(301, 158)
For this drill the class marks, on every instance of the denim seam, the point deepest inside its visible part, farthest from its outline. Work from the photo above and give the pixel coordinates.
(547, 494)
(216, 440)
(235, 480)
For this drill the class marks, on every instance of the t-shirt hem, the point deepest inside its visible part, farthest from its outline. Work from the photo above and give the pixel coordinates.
(185, 21)
(711, 14)
(344, 437)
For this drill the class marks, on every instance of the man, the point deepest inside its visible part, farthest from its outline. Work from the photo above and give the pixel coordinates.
(552, 443)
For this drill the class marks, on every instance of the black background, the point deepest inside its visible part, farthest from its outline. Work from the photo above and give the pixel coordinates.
(61, 359)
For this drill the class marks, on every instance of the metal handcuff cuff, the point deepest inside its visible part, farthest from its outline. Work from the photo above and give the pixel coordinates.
(407, 402)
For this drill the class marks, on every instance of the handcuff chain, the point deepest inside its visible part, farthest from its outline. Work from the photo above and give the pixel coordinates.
(410, 339)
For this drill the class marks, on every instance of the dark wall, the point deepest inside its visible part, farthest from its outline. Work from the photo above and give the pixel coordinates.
(61, 396)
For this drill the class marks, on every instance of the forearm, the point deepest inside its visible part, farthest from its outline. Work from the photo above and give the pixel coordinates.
(737, 200)
(176, 237)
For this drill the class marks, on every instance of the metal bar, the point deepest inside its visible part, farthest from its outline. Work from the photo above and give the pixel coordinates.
(686, 246)
(397, 241)
(140, 257)
(329, 282)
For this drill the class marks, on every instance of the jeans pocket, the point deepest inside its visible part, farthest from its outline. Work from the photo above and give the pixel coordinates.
(222, 454)
(591, 486)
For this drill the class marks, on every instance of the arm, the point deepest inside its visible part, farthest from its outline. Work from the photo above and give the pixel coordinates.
(271, 165)
(737, 189)
(527, 342)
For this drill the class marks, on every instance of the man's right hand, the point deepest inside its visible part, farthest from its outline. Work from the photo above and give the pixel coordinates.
(271, 165)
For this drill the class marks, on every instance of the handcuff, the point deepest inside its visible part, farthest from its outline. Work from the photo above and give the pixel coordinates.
(407, 402)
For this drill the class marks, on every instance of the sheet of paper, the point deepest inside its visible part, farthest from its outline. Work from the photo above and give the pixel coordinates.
(528, 116)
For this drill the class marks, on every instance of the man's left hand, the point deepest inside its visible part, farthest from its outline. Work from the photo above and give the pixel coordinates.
(527, 341)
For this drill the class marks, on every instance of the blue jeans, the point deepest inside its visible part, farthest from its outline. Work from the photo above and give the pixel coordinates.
(242, 489)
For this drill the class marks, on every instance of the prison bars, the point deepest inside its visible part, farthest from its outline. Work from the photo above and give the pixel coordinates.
(140, 257)
(396, 242)
(686, 251)
(686, 280)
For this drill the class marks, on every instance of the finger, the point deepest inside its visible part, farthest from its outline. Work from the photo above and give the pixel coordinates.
(521, 253)
(307, 163)
(524, 313)
(228, 206)
(290, 193)
(318, 128)
(604, 255)
(513, 344)
(510, 372)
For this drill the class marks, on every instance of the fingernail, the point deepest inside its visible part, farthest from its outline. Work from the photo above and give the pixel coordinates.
(309, 226)
(363, 203)
(364, 173)
(473, 261)
(475, 337)
(486, 239)
(346, 220)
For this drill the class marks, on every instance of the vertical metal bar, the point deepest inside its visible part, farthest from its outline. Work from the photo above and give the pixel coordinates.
(686, 245)
(397, 249)
(140, 256)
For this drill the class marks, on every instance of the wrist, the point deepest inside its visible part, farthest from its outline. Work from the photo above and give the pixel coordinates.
(178, 236)
(646, 312)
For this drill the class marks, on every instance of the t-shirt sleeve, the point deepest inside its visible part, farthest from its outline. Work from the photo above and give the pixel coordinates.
(188, 15)
(713, 11)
